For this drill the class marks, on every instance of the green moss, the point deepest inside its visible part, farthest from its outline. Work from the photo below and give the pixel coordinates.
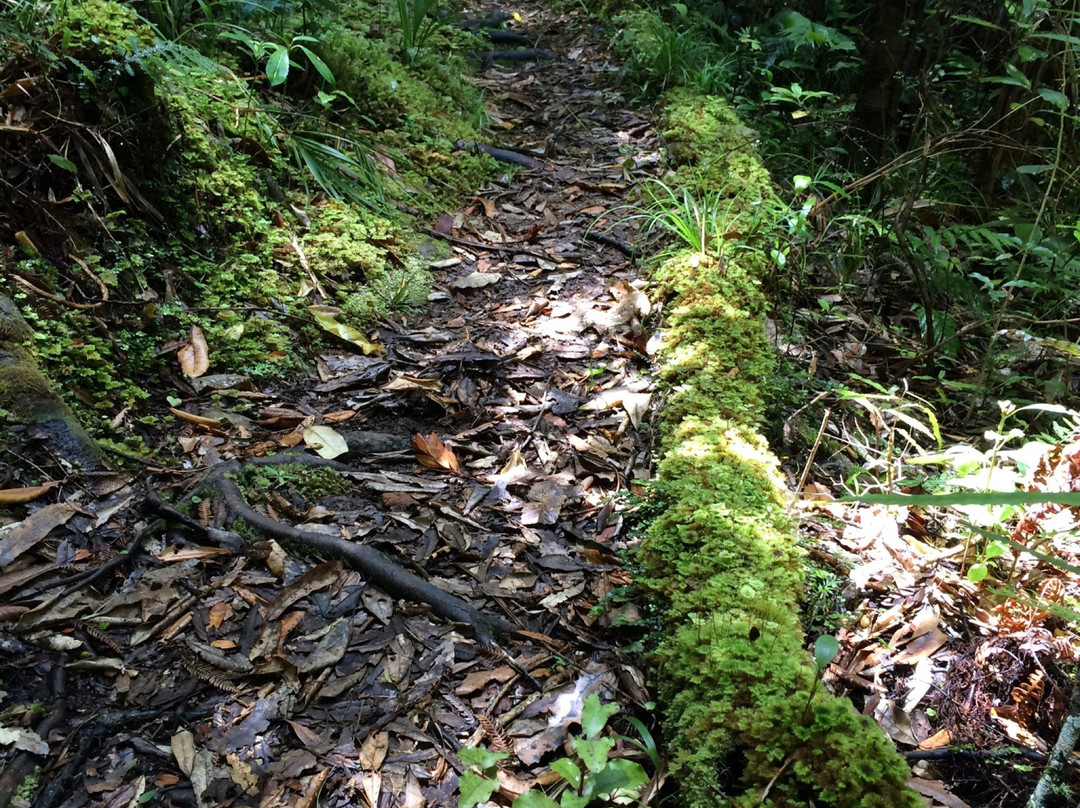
(431, 99)
(100, 29)
(735, 678)
(311, 484)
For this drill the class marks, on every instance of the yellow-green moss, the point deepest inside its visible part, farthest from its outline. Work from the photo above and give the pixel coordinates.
(735, 679)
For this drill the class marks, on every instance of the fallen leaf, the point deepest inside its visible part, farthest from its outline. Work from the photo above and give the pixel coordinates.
(324, 316)
(24, 739)
(194, 356)
(408, 382)
(173, 553)
(939, 740)
(636, 406)
(434, 454)
(16, 539)
(921, 647)
(17, 496)
(476, 280)
(936, 791)
(183, 749)
(373, 752)
(326, 442)
(218, 614)
(546, 499)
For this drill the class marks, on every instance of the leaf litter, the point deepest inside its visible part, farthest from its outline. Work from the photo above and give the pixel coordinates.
(487, 446)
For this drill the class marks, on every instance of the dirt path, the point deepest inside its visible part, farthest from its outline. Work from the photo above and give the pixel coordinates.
(220, 678)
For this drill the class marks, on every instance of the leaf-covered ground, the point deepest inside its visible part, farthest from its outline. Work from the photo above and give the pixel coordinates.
(493, 443)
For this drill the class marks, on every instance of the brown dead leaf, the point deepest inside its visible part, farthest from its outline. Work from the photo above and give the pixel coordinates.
(194, 356)
(198, 420)
(313, 580)
(219, 613)
(173, 553)
(17, 496)
(921, 647)
(434, 454)
(939, 740)
(373, 752)
(18, 538)
(399, 499)
(936, 791)
(408, 382)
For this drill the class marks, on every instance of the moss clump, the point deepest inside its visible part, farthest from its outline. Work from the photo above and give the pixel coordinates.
(309, 483)
(736, 682)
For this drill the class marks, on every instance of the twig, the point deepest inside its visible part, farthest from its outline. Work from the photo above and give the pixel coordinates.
(813, 453)
(477, 245)
(979, 754)
(524, 55)
(502, 155)
(627, 249)
(376, 567)
(25, 284)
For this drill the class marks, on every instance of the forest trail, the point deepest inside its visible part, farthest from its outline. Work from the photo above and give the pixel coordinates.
(495, 440)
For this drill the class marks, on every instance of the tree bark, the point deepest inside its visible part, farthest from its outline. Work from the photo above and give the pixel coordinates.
(877, 109)
(31, 403)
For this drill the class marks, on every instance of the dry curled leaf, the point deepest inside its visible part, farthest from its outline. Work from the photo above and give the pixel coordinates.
(17, 496)
(194, 356)
(433, 453)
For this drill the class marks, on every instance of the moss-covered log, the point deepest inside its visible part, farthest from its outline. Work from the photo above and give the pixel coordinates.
(30, 403)
(746, 725)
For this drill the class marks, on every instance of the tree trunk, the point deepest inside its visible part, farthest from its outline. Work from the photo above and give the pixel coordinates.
(33, 409)
(877, 109)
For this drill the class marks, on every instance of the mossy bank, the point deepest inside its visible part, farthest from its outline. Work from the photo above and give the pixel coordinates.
(178, 186)
(746, 725)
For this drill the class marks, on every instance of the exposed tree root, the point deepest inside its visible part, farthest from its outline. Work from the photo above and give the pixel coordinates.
(376, 567)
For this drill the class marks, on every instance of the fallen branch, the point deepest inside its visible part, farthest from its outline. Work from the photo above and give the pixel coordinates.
(522, 55)
(502, 155)
(478, 245)
(376, 567)
(510, 38)
(626, 248)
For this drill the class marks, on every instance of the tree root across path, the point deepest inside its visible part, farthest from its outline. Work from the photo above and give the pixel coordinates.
(372, 564)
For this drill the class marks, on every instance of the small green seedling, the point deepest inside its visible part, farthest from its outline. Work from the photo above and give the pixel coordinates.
(591, 776)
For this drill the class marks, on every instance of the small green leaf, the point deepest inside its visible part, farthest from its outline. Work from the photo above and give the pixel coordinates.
(680, 9)
(568, 771)
(481, 758)
(825, 650)
(62, 162)
(277, 66)
(594, 754)
(1018, 77)
(474, 789)
(801, 182)
(1059, 100)
(534, 799)
(977, 572)
(568, 799)
(174, 401)
(594, 715)
(318, 64)
(994, 549)
(620, 775)
(1033, 169)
